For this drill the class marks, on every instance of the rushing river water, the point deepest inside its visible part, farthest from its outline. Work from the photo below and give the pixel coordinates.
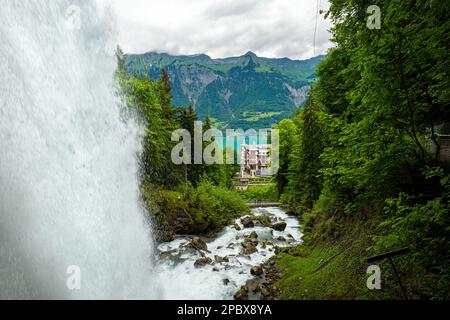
(183, 280)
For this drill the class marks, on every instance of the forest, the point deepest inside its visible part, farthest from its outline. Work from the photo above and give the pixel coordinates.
(364, 163)
(186, 199)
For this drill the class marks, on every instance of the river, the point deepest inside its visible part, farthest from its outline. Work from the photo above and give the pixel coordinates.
(220, 280)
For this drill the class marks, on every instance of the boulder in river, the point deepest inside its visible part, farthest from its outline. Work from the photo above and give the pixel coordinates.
(167, 254)
(248, 247)
(253, 235)
(247, 222)
(202, 262)
(264, 220)
(237, 227)
(256, 271)
(279, 226)
(220, 259)
(199, 244)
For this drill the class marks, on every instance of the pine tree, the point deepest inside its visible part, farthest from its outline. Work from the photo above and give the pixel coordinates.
(166, 94)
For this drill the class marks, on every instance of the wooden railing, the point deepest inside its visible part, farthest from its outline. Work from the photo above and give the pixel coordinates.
(257, 204)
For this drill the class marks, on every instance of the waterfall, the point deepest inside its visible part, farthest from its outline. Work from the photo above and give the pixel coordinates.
(68, 161)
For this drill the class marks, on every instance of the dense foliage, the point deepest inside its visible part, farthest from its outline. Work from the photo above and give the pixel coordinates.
(188, 210)
(365, 155)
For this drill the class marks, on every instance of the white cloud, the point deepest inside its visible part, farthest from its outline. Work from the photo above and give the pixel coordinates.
(270, 28)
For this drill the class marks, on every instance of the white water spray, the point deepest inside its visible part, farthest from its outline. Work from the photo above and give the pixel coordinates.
(68, 170)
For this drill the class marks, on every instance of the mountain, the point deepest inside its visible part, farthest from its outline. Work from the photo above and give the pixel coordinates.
(238, 92)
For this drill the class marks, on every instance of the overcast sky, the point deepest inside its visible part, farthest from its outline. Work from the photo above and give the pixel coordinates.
(222, 28)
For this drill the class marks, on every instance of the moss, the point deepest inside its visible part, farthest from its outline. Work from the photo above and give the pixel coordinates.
(264, 219)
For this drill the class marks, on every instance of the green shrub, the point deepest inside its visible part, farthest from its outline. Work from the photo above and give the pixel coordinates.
(425, 229)
(188, 210)
(261, 193)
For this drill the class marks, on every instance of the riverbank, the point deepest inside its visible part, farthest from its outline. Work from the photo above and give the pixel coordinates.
(203, 210)
(332, 264)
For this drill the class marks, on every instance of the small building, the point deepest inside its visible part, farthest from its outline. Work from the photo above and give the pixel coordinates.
(255, 160)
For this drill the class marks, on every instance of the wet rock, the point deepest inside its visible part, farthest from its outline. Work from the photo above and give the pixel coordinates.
(242, 294)
(264, 220)
(253, 235)
(216, 269)
(279, 226)
(226, 282)
(220, 259)
(165, 236)
(199, 244)
(248, 248)
(265, 292)
(281, 238)
(253, 286)
(256, 271)
(202, 262)
(281, 250)
(237, 227)
(167, 254)
(247, 222)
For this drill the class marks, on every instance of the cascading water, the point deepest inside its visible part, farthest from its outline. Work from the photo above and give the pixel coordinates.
(68, 171)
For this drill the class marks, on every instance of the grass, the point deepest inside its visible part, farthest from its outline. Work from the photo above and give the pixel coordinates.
(331, 272)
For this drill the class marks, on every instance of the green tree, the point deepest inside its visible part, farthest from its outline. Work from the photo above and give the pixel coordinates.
(288, 137)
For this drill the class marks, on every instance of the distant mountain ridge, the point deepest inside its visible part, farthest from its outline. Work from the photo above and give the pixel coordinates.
(238, 92)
